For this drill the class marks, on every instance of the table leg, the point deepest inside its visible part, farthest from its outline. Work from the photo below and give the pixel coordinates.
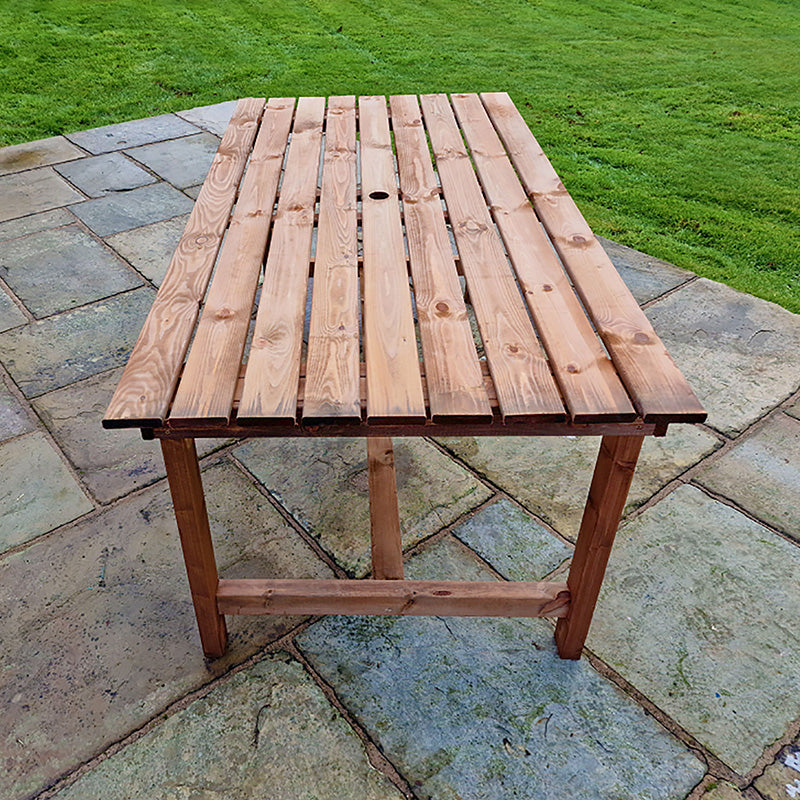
(185, 484)
(612, 478)
(384, 514)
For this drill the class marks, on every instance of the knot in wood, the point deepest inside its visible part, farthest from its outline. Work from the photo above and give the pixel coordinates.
(224, 313)
(579, 240)
(572, 368)
(641, 338)
(514, 349)
(472, 226)
(442, 308)
(547, 288)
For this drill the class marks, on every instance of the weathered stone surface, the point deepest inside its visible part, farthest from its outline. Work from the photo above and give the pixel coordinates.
(781, 779)
(512, 542)
(469, 708)
(762, 474)
(699, 611)
(101, 175)
(36, 190)
(323, 483)
(10, 315)
(647, 277)
(150, 248)
(551, 476)
(446, 559)
(39, 153)
(99, 633)
(132, 134)
(722, 790)
(110, 462)
(794, 409)
(121, 212)
(49, 354)
(740, 354)
(13, 418)
(35, 223)
(54, 270)
(182, 162)
(193, 191)
(212, 118)
(269, 733)
(37, 492)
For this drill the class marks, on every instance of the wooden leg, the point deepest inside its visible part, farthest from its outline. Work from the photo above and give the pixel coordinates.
(384, 515)
(613, 474)
(183, 474)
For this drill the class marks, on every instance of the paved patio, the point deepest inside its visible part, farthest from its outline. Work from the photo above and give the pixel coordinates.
(691, 683)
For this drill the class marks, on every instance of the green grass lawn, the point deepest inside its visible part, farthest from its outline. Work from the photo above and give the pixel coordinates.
(673, 123)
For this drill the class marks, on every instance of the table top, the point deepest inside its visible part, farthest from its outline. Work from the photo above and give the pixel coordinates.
(421, 267)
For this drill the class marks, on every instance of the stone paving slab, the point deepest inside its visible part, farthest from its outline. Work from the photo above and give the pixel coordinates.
(762, 473)
(269, 732)
(182, 162)
(484, 708)
(323, 483)
(550, 476)
(40, 153)
(699, 612)
(213, 118)
(793, 410)
(37, 491)
(740, 354)
(59, 350)
(101, 175)
(10, 315)
(781, 779)
(121, 212)
(647, 277)
(99, 633)
(55, 270)
(35, 223)
(512, 542)
(150, 247)
(37, 190)
(132, 134)
(723, 790)
(111, 463)
(14, 420)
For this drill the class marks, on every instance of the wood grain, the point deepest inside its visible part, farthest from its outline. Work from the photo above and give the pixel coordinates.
(384, 515)
(613, 473)
(394, 387)
(454, 381)
(404, 598)
(209, 378)
(273, 367)
(522, 378)
(586, 376)
(331, 387)
(186, 488)
(148, 382)
(658, 389)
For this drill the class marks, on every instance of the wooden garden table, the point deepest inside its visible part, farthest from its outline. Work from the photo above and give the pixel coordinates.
(390, 207)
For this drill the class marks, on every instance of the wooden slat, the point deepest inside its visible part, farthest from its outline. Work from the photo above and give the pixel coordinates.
(331, 388)
(613, 473)
(405, 598)
(209, 378)
(657, 387)
(384, 516)
(525, 387)
(454, 381)
(587, 378)
(148, 382)
(394, 387)
(273, 368)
